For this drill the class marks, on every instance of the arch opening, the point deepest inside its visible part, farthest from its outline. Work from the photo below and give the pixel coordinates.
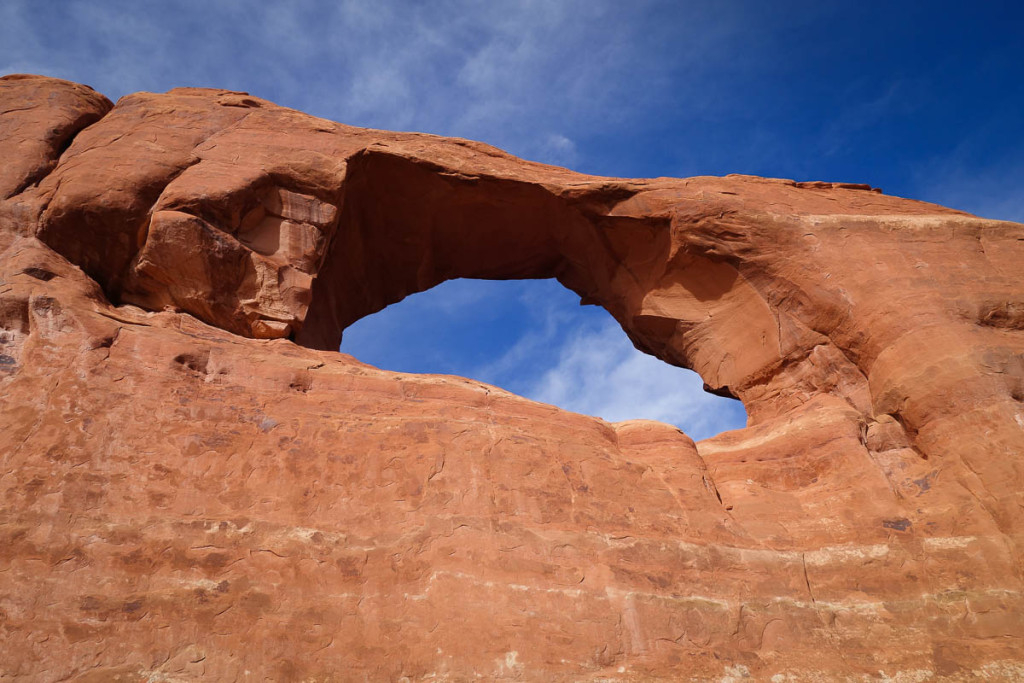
(532, 337)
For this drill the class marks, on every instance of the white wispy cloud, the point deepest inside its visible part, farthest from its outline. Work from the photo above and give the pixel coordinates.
(599, 372)
(528, 76)
(559, 150)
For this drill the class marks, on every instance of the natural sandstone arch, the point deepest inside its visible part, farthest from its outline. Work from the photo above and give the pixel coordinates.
(871, 510)
(782, 294)
(383, 225)
(746, 280)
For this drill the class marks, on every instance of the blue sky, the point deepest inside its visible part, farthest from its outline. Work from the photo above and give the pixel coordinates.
(922, 99)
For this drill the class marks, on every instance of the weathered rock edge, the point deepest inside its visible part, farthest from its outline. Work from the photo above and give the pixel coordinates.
(175, 492)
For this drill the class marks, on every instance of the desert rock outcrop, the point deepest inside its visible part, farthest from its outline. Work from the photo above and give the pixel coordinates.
(196, 485)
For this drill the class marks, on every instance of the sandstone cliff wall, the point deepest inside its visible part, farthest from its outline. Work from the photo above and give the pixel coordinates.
(195, 485)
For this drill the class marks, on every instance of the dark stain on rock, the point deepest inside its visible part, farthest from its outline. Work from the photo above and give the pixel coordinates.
(89, 604)
(899, 524)
(39, 273)
(924, 483)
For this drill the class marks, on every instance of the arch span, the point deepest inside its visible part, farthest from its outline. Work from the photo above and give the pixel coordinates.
(406, 227)
(270, 224)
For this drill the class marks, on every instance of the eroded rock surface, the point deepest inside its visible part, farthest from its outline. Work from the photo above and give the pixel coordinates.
(195, 486)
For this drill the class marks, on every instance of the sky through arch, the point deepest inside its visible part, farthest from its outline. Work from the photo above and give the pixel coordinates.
(533, 338)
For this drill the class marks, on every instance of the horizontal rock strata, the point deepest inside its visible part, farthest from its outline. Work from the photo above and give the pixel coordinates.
(195, 485)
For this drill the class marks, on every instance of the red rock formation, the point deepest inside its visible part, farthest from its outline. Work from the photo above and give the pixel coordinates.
(190, 489)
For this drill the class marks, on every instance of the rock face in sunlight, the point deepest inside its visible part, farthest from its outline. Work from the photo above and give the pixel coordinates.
(193, 489)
